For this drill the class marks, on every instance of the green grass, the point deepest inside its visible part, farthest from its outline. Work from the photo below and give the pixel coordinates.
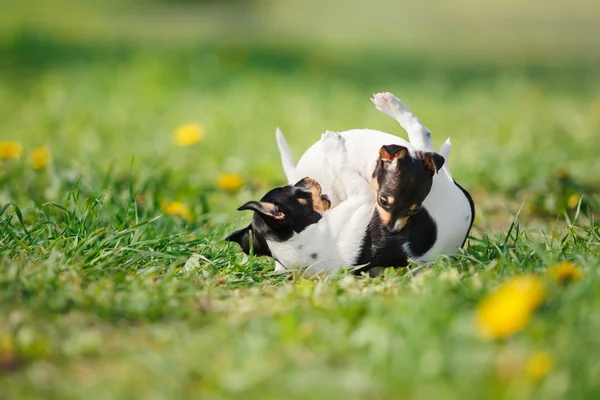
(103, 296)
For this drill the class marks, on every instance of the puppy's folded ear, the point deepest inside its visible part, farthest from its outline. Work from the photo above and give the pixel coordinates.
(265, 209)
(392, 152)
(241, 237)
(433, 161)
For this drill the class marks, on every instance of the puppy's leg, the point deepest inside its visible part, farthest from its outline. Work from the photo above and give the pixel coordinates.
(334, 151)
(418, 134)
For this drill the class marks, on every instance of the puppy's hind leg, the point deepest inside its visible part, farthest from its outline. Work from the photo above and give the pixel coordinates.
(418, 134)
(333, 146)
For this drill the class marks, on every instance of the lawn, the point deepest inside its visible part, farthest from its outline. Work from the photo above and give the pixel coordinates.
(114, 278)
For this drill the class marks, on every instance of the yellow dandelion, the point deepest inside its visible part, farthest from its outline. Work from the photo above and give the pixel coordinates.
(230, 182)
(40, 157)
(565, 272)
(6, 343)
(538, 365)
(9, 358)
(178, 209)
(188, 134)
(10, 150)
(573, 200)
(508, 309)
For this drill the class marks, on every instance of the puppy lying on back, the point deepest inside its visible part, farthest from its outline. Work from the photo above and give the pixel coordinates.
(295, 225)
(447, 210)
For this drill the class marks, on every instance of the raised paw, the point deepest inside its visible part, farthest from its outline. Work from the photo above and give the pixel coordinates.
(333, 141)
(334, 146)
(388, 103)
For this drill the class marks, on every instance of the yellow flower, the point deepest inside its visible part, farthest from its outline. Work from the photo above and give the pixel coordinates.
(231, 182)
(6, 343)
(565, 272)
(40, 157)
(538, 365)
(188, 134)
(177, 208)
(10, 150)
(9, 357)
(508, 309)
(573, 200)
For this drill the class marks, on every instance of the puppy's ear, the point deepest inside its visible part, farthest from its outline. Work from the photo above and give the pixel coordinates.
(392, 152)
(433, 161)
(265, 209)
(241, 237)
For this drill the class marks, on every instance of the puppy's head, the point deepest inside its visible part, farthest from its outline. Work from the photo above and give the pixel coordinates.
(402, 181)
(281, 213)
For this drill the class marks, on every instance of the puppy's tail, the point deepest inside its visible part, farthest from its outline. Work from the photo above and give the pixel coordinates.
(445, 152)
(287, 159)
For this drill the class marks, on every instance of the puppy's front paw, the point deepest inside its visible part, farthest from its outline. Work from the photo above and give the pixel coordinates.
(334, 145)
(387, 103)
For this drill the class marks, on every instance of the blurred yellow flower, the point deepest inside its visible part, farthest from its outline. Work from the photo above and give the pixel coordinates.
(9, 357)
(573, 200)
(565, 272)
(40, 157)
(6, 343)
(231, 182)
(538, 365)
(508, 309)
(188, 134)
(10, 150)
(177, 208)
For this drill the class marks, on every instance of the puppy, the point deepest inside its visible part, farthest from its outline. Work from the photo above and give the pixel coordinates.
(447, 206)
(295, 225)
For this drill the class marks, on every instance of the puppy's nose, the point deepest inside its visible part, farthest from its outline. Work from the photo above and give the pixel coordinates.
(392, 229)
(397, 225)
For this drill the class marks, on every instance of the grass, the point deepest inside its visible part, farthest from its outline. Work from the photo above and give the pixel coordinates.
(102, 295)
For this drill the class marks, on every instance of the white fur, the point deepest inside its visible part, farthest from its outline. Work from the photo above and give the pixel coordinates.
(362, 146)
(446, 203)
(335, 241)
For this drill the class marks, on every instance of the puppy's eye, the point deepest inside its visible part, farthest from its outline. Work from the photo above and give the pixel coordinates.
(383, 201)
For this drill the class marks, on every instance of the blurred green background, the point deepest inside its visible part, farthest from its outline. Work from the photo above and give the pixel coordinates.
(515, 85)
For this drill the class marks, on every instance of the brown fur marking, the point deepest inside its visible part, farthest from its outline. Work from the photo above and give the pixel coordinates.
(429, 163)
(320, 205)
(384, 153)
(385, 216)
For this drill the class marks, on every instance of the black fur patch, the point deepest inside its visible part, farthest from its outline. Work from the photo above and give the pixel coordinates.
(380, 248)
(286, 215)
(408, 181)
(242, 237)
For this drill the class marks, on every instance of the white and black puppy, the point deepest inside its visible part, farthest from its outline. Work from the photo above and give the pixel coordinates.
(445, 215)
(290, 224)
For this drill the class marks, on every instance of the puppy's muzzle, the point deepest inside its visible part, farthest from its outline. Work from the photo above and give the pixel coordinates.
(396, 225)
